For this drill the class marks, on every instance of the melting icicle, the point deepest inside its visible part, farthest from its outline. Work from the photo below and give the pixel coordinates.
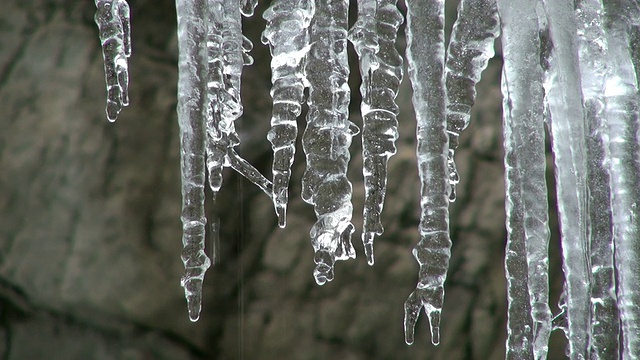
(470, 49)
(112, 17)
(192, 66)
(566, 119)
(425, 57)
(287, 33)
(621, 99)
(526, 261)
(374, 35)
(327, 137)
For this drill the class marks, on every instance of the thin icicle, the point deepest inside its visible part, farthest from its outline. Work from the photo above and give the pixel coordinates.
(327, 137)
(287, 34)
(621, 110)
(192, 66)
(526, 261)
(470, 49)
(563, 99)
(605, 324)
(112, 17)
(374, 35)
(425, 57)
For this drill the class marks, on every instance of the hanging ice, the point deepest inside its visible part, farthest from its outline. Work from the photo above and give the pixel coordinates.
(563, 100)
(526, 264)
(327, 137)
(582, 58)
(605, 324)
(192, 111)
(425, 57)
(470, 49)
(374, 36)
(287, 34)
(621, 111)
(112, 17)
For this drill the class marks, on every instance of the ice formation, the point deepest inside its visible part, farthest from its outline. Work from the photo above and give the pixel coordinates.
(570, 69)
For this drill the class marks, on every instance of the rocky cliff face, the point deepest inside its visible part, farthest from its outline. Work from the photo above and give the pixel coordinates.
(90, 231)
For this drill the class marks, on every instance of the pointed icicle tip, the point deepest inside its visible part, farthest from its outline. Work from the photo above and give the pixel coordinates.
(367, 241)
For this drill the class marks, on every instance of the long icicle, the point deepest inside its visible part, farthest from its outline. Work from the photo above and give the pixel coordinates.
(592, 45)
(563, 100)
(192, 117)
(621, 109)
(287, 34)
(373, 36)
(526, 261)
(327, 137)
(468, 54)
(112, 17)
(425, 57)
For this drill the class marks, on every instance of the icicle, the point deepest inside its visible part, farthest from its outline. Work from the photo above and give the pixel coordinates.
(425, 57)
(287, 33)
(621, 111)
(566, 120)
(248, 6)
(112, 17)
(374, 35)
(192, 66)
(526, 261)
(327, 137)
(469, 51)
(605, 325)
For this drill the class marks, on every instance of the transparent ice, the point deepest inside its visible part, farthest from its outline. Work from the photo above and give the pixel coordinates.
(570, 74)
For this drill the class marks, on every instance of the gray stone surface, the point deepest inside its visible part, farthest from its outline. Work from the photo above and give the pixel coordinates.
(90, 232)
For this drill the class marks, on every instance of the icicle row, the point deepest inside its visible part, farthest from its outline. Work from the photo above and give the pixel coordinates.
(327, 137)
(192, 103)
(425, 57)
(526, 261)
(112, 17)
(621, 111)
(469, 51)
(374, 35)
(566, 119)
(287, 33)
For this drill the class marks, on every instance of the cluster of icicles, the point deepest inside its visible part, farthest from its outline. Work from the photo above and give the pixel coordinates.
(569, 65)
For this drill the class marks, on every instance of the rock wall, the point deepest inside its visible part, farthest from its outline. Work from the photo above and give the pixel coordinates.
(90, 230)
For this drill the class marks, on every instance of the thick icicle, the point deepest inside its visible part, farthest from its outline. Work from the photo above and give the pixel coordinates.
(563, 100)
(605, 324)
(621, 109)
(425, 57)
(327, 137)
(192, 66)
(374, 35)
(469, 51)
(112, 17)
(287, 34)
(526, 261)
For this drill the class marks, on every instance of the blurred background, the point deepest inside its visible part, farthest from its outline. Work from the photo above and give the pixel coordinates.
(90, 233)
